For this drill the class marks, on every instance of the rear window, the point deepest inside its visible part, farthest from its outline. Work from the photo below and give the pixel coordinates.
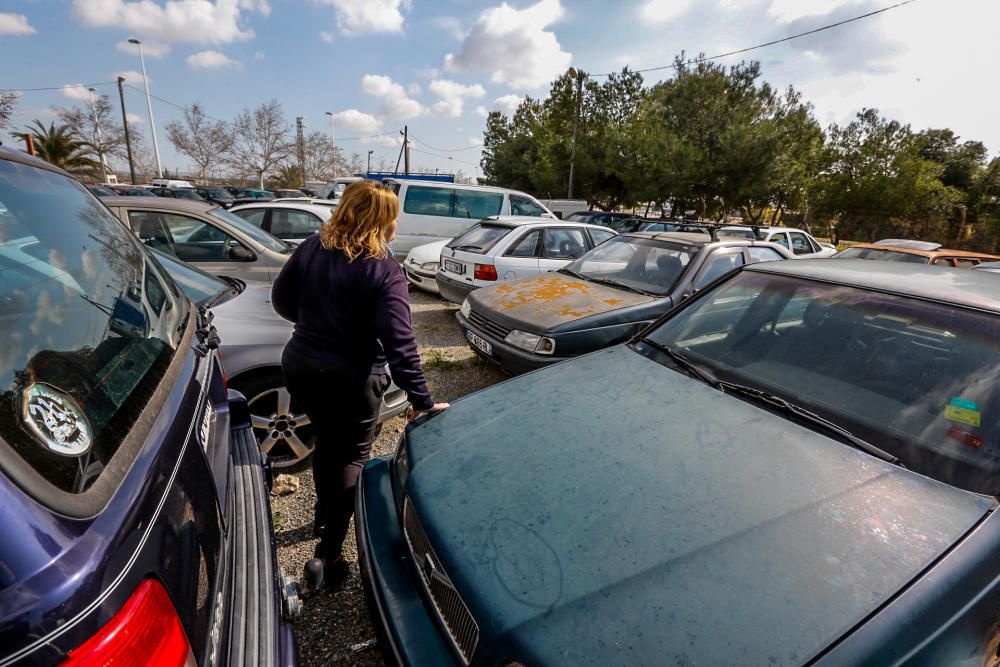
(480, 238)
(452, 202)
(90, 325)
(880, 254)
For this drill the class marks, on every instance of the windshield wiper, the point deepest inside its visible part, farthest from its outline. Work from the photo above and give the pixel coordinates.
(811, 417)
(573, 274)
(692, 368)
(619, 284)
(467, 247)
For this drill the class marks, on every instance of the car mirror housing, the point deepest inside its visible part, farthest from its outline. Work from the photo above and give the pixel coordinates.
(240, 254)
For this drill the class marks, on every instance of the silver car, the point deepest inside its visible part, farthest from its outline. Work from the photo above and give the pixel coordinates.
(253, 336)
(205, 235)
(291, 220)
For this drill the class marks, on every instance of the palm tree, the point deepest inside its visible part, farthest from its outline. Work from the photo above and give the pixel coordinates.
(62, 147)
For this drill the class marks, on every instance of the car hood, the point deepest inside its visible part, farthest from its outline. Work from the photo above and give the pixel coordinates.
(550, 300)
(429, 252)
(249, 319)
(610, 509)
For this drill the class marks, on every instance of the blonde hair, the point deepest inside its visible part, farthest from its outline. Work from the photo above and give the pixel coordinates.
(358, 224)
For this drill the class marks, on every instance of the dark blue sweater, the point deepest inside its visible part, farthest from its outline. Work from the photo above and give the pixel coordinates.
(352, 316)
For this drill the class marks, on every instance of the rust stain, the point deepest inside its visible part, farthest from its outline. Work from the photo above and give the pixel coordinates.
(543, 293)
(613, 302)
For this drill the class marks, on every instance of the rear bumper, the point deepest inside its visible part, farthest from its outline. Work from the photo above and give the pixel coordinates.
(425, 281)
(453, 290)
(510, 359)
(407, 632)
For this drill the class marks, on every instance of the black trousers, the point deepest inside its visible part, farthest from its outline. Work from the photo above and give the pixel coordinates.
(344, 412)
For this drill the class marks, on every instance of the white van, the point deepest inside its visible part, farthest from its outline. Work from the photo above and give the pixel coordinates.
(433, 211)
(171, 183)
(333, 189)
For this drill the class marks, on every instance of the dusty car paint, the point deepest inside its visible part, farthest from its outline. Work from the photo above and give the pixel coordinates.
(554, 299)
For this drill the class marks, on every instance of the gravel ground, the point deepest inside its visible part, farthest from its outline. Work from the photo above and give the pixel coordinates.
(334, 622)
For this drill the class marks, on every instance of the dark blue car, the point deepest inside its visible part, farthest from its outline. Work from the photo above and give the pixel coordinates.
(798, 466)
(136, 526)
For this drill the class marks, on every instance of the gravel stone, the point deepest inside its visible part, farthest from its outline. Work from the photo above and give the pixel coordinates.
(333, 623)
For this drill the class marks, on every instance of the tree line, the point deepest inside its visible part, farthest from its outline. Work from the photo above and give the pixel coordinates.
(714, 142)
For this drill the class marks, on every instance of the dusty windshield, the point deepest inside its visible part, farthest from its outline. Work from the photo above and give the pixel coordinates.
(915, 378)
(90, 324)
(635, 263)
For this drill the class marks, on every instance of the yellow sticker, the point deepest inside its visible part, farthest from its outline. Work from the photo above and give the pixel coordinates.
(962, 415)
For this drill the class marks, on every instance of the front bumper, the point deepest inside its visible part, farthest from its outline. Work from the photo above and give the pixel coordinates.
(423, 280)
(453, 290)
(510, 359)
(408, 634)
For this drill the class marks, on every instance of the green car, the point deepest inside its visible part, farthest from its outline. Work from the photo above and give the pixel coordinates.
(799, 465)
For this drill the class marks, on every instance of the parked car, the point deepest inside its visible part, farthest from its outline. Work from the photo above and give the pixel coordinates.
(291, 220)
(422, 264)
(309, 192)
(177, 193)
(204, 234)
(135, 507)
(620, 222)
(693, 227)
(250, 193)
(132, 191)
(815, 483)
(603, 298)
(172, 183)
(433, 211)
(253, 338)
(991, 267)
(509, 248)
(563, 208)
(287, 193)
(916, 252)
(220, 196)
(801, 243)
(101, 190)
(336, 187)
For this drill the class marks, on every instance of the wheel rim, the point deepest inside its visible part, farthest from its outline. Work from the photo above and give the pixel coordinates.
(283, 432)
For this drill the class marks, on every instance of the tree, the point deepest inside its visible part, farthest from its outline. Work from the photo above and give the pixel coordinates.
(60, 146)
(287, 176)
(203, 140)
(7, 103)
(356, 165)
(106, 134)
(510, 147)
(260, 140)
(323, 161)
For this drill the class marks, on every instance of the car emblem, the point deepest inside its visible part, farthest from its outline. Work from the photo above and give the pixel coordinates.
(56, 419)
(206, 425)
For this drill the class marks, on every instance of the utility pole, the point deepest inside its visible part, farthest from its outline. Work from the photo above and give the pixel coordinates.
(333, 140)
(300, 146)
(149, 105)
(100, 137)
(406, 150)
(128, 139)
(579, 75)
(370, 151)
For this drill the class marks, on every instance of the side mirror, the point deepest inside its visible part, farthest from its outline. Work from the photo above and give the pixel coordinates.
(238, 253)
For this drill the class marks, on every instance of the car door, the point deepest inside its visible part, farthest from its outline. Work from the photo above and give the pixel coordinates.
(198, 242)
(521, 258)
(255, 216)
(293, 225)
(800, 245)
(560, 246)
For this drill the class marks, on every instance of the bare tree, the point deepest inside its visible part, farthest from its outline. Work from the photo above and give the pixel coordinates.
(200, 138)
(356, 165)
(100, 126)
(319, 151)
(7, 103)
(261, 140)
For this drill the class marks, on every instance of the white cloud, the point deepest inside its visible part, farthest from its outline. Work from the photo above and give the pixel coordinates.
(357, 17)
(414, 89)
(326, 36)
(150, 48)
(259, 55)
(429, 73)
(514, 46)
(186, 21)
(210, 60)
(507, 104)
(391, 141)
(76, 92)
(450, 24)
(453, 96)
(482, 111)
(395, 102)
(357, 121)
(790, 10)
(661, 11)
(15, 24)
(135, 118)
(132, 77)
(475, 141)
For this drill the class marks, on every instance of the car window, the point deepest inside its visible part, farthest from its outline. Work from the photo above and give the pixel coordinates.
(719, 264)
(290, 223)
(816, 247)
(912, 377)
(255, 216)
(800, 244)
(781, 238)
(475, 204)
(259, 235)
(578, 217)
(527, 246)
(653, 227)
(761, 254)
(564, 243)
(421, 200)
(480, 238)
(964, 263)
(599, 236)
(637, 263)
(187, 238)
(882, 255)
(524, 206)
(90, 326)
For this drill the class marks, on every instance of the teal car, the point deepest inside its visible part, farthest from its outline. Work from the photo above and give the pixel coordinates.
(797, 466)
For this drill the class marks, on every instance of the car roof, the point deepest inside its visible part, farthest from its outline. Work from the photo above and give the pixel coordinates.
(972, 289)
(463, 186)
(319, 209)
(289, 201)
(165, 203)
(19, 156)
(601, 213)
(938, 252)
(526, 220)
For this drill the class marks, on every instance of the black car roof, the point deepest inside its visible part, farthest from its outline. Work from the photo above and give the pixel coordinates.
(972, 289)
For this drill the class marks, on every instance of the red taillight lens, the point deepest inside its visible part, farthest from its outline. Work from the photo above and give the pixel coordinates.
(145, 631)
(485, 272)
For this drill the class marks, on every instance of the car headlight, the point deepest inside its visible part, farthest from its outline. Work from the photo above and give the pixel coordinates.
(430, 266)
(466, 309)
(531, 342)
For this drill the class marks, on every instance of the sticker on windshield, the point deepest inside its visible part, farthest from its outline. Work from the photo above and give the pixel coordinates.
(56, 419)
(963, 411)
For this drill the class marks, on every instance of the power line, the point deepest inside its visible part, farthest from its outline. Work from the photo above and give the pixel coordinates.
(62, 87)
(695, 61)
(442, 157)
(444, 150)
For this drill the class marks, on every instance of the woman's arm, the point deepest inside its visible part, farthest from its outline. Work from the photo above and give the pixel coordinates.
(285, 289)
(394, 330)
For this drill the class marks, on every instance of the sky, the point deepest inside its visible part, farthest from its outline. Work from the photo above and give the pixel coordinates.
(439, 66)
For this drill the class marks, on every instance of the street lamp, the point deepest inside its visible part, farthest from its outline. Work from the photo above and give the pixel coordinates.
(333, 139)
(100, 138)
(579, 75)
(149, 105)
(370, 151)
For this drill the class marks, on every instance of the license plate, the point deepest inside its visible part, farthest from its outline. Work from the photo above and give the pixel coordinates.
(478, 342)
(454, 267)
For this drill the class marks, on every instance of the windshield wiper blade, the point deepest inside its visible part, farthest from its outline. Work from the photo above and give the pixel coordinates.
(572, 274)
(616, 283)
(467, 247)
(692, 368)
(812, 418)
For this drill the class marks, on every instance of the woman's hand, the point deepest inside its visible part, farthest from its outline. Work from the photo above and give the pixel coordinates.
(412, 415)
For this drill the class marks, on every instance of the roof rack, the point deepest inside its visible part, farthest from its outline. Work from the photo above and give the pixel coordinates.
(714, 227)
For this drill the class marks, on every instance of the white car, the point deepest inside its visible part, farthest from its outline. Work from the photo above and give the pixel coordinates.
(421, 265)
(291, 220)
(507, 248)
(801, 243)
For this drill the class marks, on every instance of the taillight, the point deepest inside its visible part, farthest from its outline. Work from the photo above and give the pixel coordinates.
(485, 272)
(145, 631)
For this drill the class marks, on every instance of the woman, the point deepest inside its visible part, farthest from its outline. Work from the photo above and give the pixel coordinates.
(349, 301)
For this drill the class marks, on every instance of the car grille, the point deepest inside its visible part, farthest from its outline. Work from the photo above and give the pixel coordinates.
(454, 615)
(489, 326)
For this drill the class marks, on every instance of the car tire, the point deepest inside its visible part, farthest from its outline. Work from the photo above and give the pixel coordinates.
(283, 432)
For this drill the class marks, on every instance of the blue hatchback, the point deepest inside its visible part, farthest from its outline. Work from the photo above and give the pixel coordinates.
(133, 499)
